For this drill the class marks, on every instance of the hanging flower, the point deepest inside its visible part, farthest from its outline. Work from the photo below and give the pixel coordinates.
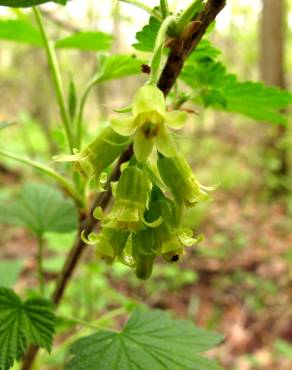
(179, 177)
(130, 202)
(149, 123)
(109, 243)
(170, 237)
(98, 155)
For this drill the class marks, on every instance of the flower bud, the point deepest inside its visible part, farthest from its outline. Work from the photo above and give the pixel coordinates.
(144, 267)
(178, 176)
(144, 251)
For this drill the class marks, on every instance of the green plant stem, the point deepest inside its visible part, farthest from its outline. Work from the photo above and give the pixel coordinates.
(164, 8)
(66, 184)
(56, 77)
(158, 49)
(40, 260)
(80, 113)
(140, 5)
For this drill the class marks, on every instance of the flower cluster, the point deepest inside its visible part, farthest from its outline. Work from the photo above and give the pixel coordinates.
(154, 188)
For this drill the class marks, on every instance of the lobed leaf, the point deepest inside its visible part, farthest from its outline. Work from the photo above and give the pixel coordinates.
(217, 88)
(41, 209)
(147, 36)
(149, 340)
(22, 324)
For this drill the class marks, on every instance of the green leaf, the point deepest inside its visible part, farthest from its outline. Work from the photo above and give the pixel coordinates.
(147, 36)
(29, 3)
(89, 41)
(9, 272)
(41, 209)
(204, 52)
(22, 324)
(118, 66)
(149, 340)
(20, 31)
(216, 88)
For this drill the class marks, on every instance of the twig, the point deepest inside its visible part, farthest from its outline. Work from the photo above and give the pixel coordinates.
(180, 52)
(169, 75)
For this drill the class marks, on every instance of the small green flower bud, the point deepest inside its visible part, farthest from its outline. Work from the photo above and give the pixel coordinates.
(98, 155)
(144, 251)
(144, 267)
(178, 176)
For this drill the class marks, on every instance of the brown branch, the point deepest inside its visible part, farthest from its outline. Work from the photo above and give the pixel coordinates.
(169, 75)
(180, 51)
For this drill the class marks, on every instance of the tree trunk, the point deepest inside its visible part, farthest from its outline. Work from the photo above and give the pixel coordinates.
(273, 32)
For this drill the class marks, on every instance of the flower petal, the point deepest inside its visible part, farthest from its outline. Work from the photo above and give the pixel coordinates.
(91, 239)
(124, 126)
(176, 119)
(165, 143)
(142, 146)
(186, 237)
(154, 223)
(104, 248)
(149, 99)
(98, 213)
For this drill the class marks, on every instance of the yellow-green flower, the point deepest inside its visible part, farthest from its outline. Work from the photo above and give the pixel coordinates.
(149, 122)
(178, 176)
(170, 237)
(97, 155)
(131, 200)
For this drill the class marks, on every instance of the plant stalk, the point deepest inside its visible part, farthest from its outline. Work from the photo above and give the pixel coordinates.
(164, 8)
(156, 61)
(56, 77)
(65, 184)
